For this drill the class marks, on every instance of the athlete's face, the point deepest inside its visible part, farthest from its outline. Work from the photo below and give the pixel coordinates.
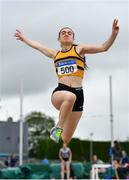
(66, 36)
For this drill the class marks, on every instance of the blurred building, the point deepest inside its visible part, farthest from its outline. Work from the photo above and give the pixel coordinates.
(9, 137)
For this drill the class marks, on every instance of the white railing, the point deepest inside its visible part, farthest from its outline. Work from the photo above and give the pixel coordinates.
(95, 167)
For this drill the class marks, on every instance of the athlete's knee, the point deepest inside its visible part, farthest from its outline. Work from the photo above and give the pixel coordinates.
(71, 98)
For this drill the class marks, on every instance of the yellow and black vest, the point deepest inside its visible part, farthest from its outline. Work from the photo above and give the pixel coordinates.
(69, 63)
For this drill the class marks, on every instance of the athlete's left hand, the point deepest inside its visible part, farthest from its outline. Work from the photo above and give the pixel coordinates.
(115, 27)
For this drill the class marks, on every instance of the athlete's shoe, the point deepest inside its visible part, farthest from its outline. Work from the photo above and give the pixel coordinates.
(55, 134)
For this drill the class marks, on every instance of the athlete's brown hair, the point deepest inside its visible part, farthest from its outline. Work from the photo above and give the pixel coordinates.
(65, 28)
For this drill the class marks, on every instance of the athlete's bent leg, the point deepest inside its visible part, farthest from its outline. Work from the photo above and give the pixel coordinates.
(70, 125)
(64, 101)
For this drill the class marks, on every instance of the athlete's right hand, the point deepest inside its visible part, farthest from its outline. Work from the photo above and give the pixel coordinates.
(19, 35)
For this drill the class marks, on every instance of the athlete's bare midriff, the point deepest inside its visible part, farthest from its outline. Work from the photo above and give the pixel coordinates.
(72, 81)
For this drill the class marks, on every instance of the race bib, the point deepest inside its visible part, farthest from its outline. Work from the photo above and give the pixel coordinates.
(67, 67)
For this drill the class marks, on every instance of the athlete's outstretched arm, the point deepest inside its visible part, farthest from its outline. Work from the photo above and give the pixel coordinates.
(36, 45)
(89, 49)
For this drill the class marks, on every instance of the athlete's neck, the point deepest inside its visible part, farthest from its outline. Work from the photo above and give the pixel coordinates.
(66, 47)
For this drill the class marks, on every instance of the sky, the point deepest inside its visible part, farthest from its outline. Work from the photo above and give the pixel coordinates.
(91, 21)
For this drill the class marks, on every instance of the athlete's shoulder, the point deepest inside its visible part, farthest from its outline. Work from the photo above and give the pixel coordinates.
(56, 53)
(79, 47)
(79, 50)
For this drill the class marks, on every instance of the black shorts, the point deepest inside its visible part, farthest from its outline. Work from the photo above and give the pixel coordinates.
(78, 91)
(65, 159)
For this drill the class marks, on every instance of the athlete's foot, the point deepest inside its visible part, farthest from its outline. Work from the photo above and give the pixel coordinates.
(55, 134)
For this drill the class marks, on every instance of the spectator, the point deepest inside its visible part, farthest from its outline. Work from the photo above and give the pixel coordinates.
(122, 171)
(125, 158)
(13, 160)
(6, 162)
(116, 151)
(95, 160)
(65, 156)
(45, 161)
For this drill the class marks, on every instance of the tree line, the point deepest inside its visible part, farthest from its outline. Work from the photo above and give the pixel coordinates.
(40, 146)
